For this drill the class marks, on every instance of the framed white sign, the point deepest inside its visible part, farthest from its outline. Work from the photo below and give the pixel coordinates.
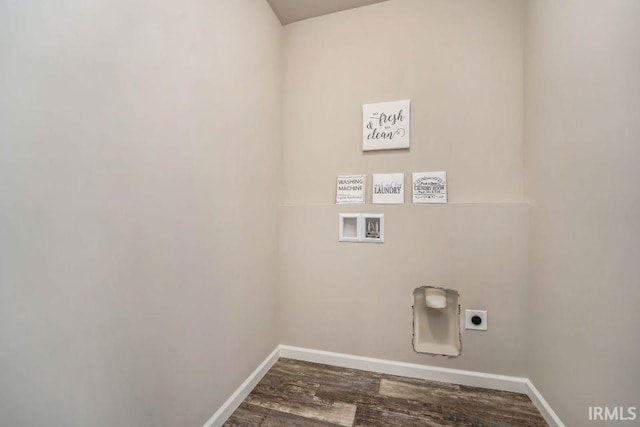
(429, 187)
(350, 189)
(385, 126)
(388, 188)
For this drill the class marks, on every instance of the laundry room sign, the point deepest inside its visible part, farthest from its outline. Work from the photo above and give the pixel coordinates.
(429, 187)
(385, 126)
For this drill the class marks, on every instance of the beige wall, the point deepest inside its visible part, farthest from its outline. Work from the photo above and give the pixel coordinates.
(136, 274)
(583, 151)
(460, 63)
(141, 171)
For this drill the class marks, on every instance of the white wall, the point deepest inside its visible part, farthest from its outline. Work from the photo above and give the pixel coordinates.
(582, 154)
(460, 63)
(136, 274)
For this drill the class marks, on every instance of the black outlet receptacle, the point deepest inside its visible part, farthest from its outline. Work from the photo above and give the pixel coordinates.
(476, 320)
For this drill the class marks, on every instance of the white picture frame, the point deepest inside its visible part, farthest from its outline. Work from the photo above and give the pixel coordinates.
(387, 188)
(386, 125)
(429, 187)
(350, 189)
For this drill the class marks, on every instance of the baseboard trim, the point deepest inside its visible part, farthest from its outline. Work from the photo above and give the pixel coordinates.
(411, 370)
(390, 367)
(232, 403)
(545, 409)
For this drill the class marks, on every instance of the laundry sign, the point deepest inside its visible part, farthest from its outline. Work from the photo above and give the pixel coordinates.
(350, 189)
(429, 187)
(388, 188)
(385, 126)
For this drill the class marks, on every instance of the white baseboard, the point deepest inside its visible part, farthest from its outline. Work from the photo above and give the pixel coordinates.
(232, 403)
(545, 409)
(411, 370)
(390, 367)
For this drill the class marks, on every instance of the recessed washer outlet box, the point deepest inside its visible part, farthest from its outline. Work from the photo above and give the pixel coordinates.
(361, 228)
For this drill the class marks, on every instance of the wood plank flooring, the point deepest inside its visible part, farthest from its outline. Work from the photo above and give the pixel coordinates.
(302, 394)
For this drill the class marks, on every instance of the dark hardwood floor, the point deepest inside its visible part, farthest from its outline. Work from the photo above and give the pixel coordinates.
(303, 394)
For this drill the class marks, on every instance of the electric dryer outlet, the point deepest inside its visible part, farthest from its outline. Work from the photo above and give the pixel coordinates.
(476, 320)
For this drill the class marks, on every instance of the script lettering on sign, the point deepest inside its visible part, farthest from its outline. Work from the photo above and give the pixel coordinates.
(385, 126)
(388, 188)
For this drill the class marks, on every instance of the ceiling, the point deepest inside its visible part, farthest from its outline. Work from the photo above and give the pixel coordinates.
(289, 11)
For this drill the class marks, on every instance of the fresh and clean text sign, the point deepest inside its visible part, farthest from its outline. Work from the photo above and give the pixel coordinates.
(350, 189)
(385, 126)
